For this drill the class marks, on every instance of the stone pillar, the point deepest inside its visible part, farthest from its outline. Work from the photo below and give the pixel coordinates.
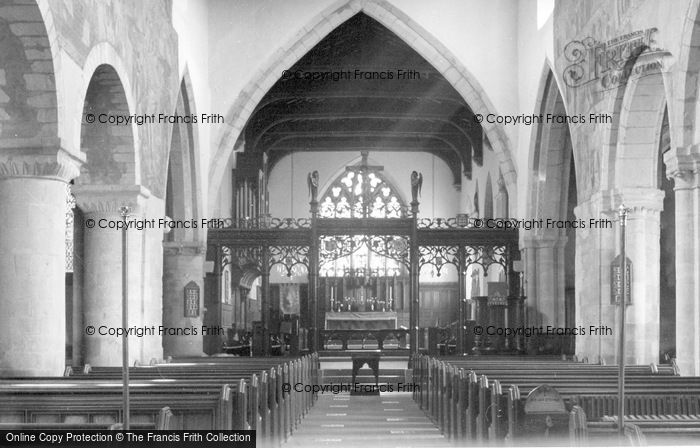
(151, 347)
(32, 259)
(183, 262)
(595, 250)
(545, 277)
(683, 166)
(102, 275)
(642, 330)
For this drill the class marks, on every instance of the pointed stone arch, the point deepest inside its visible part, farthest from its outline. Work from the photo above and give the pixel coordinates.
(547, 153)
(639, 112)
(550, 159)
(183, 189)
(630, 174)
(316, 29)
(183, 249)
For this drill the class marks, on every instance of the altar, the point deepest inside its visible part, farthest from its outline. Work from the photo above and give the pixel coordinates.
(358, 320)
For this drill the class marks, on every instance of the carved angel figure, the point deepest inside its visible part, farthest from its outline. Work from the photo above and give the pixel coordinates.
(416, 185)
(312, 181)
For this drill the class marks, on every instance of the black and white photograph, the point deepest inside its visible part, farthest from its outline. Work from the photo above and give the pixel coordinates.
(349, 223)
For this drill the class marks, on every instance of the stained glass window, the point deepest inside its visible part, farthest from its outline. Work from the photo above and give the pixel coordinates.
(359, 194)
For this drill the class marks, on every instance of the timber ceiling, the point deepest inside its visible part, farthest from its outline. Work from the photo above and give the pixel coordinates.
(420, 114)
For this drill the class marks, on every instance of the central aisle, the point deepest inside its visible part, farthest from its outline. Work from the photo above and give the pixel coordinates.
(388, 420)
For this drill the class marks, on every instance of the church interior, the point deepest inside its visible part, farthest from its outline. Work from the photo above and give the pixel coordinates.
(351, 222)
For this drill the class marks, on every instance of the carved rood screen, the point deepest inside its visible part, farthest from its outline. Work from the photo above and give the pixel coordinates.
(361, 247)
(264, 259)
(484, 256)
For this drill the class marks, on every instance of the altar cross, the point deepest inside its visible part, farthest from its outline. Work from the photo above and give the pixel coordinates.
(364, 168)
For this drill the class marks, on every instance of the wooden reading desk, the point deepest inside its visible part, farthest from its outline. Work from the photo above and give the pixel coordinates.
(369, 357)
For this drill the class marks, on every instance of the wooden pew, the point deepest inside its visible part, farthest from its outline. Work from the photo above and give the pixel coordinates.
(443, 384)
(256, 399)
(72, 426)
(484, 364)
(270, 406)
(581, 432)
(202, 406)
(638, 429)
(164, 422)
(597, 406)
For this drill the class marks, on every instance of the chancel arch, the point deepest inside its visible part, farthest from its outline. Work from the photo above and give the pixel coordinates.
(400, 25)
(299, 137)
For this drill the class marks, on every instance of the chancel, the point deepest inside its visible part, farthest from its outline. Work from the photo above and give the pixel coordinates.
(228, 216)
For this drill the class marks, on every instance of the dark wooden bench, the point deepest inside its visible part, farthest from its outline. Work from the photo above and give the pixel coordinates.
(279, 410)
(468, 404)
(164, 422)
(638, 428)
(598, 406)
(236, 394)
(197, 406)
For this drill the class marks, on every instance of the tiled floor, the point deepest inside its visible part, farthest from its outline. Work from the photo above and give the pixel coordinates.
(388, 420)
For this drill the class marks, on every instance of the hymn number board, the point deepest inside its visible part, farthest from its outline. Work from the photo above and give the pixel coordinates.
(192, 300)
(616, 280)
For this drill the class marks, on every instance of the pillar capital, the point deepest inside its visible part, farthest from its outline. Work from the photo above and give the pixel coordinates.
(184, 248)
(683, 165)
(546, 238)
(46, 162)
(637, 200)
(108, 199)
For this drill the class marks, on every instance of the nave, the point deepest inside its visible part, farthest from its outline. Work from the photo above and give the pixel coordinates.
(386, 420)
(339, 212)
(455, 401)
